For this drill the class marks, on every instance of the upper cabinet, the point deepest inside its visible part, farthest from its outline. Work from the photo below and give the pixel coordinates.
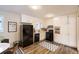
(25, 18)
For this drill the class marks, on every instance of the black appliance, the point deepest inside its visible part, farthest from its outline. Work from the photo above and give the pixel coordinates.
(5, 41)
(49, 35)
(26, 35)
(37, 37)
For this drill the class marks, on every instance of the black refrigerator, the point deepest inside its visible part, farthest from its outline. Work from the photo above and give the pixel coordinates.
(26, 34)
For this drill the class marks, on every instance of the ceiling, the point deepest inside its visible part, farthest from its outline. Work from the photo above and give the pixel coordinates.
(56, 10)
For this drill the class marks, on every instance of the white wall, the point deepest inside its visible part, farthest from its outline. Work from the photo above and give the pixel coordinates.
(78, 30)
(12, 36)
(67, 24)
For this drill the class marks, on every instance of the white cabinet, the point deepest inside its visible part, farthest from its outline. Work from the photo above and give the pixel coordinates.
(42, 34)
(72, 30)
(26, 19)
(61, 22)
(67, 26)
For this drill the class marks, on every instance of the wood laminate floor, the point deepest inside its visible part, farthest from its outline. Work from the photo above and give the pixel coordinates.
(38, 49)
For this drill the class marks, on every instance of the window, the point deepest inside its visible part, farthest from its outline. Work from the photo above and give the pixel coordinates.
(1, 24)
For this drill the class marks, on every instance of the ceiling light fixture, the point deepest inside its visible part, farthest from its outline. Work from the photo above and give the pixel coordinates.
(49, 15)
(35, 7)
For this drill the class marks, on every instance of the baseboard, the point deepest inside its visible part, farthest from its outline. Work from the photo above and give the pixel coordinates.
(42, 40)
(65, 45)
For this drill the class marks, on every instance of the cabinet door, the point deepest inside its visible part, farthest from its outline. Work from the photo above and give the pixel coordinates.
(72, 30)
(61, 22)
(64, 30)
(57, 23)
(67, 26)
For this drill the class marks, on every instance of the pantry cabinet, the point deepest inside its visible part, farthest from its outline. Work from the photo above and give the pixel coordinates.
(67, 25)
